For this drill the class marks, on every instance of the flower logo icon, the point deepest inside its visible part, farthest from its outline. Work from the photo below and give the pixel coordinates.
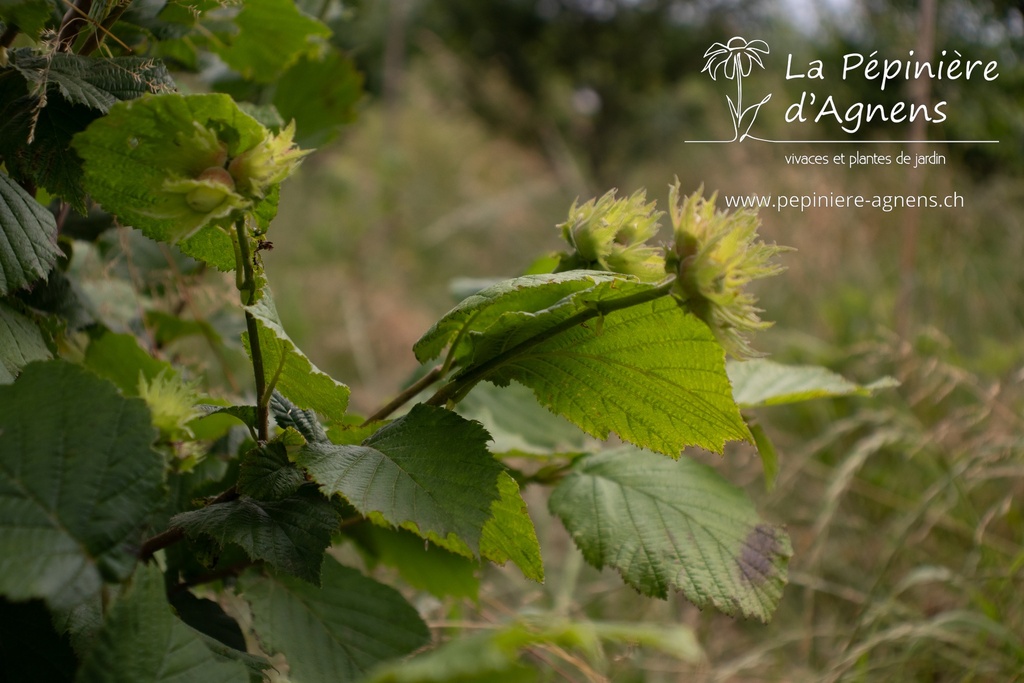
(735, 60)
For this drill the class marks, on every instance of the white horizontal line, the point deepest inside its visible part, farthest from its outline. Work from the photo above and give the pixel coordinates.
(853, 142)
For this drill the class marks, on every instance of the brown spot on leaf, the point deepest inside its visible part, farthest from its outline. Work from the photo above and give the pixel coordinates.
(760, 550)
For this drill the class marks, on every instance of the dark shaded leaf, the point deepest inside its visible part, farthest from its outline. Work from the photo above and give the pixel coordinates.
(21, 342)
(28, 237)
(337, 632)
(143, 642)
(96, 82)
(290, 534)
(74, 492)
(266, 473)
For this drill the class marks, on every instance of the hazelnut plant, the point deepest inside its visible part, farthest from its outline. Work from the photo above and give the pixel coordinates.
(154, 528)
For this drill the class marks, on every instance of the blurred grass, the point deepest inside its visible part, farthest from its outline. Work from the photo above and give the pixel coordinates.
(905, 509)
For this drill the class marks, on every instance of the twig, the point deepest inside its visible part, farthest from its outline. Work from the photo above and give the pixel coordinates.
(174, 534)
(406, 395)
(246, 283)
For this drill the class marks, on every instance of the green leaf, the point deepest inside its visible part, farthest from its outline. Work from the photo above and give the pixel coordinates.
(289, 371)
(529, 293)
(335, 633)
(320, 95)
(303, 421)
(135, 154)
(762, 382)
(674, 524)
(516, 422)
(509, 534)
(211, 245)
(119, 358)
(35, 141)
(208, 617)
(428, 471)
(143, 642)
(266, 473)
(37, 122)
(30, 16)
(205, 428)
(167, 328)
(423, 565)
(21, 342)
(78, 480)
(290, 534)
(497, 655)
(96, 82)
(651, 373)
(272, 35)
(28, 237)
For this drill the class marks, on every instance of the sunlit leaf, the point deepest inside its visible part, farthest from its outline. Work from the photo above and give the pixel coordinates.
(651, 373)
(529, 293)
(509, 534)
(761, 382)
(137, 157)
(428, 471)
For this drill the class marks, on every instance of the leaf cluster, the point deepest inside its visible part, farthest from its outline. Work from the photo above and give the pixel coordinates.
(133, 488)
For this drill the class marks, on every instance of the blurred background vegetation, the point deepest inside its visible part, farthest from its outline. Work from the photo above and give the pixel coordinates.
(483, 121)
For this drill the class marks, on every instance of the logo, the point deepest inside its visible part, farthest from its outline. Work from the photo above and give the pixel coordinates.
(735, 60)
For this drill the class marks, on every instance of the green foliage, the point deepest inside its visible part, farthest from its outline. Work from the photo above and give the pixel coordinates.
(144, 159)
(272, 35)
(21, 342)
(338, 631)
(28, 250)
(142, 641)
(289, 533)
(151, 499)
(289, 371)
(94, 83)
(75, 494)
(498, 655)
(665, 524)
(761, 382)
(428, 471)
